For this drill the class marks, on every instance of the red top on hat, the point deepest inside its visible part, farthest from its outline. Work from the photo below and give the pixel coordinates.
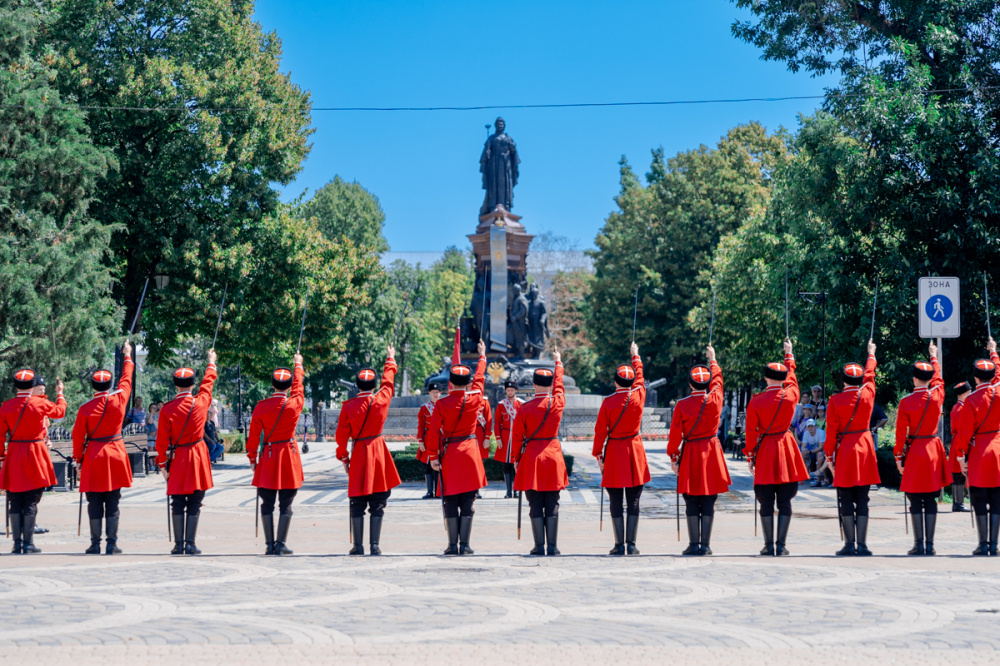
(101, 376)
(985, 365)
(922, 365)
(184, 373)
(701, 375)
(366, 375)
(853, 370)
(625, 372)
(542, 372)
(282, 374)
(24, 375)
(778, 367)
(460, 370)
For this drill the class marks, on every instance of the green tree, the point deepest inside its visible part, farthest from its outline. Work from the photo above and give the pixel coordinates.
(56, 311)
(663, 236)
(450, 284)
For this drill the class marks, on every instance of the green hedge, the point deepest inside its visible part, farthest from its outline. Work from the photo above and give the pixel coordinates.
(411, 469)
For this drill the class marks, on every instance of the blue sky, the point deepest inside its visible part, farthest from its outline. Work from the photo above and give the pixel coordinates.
(424, 166)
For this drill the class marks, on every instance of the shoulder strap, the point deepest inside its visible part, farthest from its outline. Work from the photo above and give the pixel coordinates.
(171, 442)
(909, 437)
(694, 425)
(774, 418)
(267, 440)
(840, 435)
(90, 433)
(461, 411)
(10, 433)
(524, 443)
(628, 396)
(365, 420)
(972, 440)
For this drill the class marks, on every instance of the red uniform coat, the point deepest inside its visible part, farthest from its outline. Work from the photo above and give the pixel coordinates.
(105, 465)
(423, 423)
(925, 469)
(279, 466)
(769, 445)
(453, 425)
(702, 466)
(854, 461)
(624, 456)
(541, 466)
(978, 438)
(503, 428)
(484, 423)
(191, 468)
(24, 461)
(953, 461)
(371, 469)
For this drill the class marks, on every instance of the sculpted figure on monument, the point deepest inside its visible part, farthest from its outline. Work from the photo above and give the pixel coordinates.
(538, 318)
(498, 164)
(517, 323)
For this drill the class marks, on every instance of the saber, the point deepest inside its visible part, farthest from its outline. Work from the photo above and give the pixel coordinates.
(138, 311)
(395, 332)
(55, 351)
(482, 323)
(635, 312)
(219, 322)
(786, 305)
(989, 331)
(874, 305)
(519, 512)
(602, 510)
(711, 326)
(256, 519)
(905, 523)
(302, 328)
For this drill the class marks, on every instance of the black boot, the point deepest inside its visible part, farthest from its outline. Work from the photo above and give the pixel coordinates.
(984, 542)
(930, 522)
(267, 520)
(849, 537)
(538, 533)
(994, 530)
(430, 486)
(706, 533)
(15, 532)
(917, 520)
(631, 527)
(28, 536)
(95, 537)
(375, 531)
(862, 522)
(358, 532)
(111, 527)
(284, 522)
(464, 531)
(552, 533)
(618, 526)
(767, 527)
(694, 536)
(178, 521)
(190, 531)
(508, 480)
(958, 497)
(779, 544)
(452, 524)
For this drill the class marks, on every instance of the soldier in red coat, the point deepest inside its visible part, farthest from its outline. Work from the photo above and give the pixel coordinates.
(453, 451)
(919, 453)
(962, 390)
(25, 467)
(695, 453)
(620, 452)
(370, 470)
(538, 457)
(978, 449)
(182, 455)
(99, 450)
(423, 423)
(274, 456)
(850, 451)
(503, 430)
(772, 452)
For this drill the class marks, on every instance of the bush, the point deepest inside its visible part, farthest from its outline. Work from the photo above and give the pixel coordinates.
(411, 469)
(234, 443)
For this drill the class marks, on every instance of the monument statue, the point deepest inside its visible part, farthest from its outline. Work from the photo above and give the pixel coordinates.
(517, 323)
(498, 164)
(538, 319)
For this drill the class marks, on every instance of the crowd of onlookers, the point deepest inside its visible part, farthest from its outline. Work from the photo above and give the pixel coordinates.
(151, 418)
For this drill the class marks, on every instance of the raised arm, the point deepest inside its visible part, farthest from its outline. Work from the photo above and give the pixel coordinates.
(384, 394)
(204, 398)
(120, 399)
(297, 394)
(479, 381)
(640, 379)
(791, 386)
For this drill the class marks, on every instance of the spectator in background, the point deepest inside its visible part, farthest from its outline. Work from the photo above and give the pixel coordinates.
(215, 448)
(137, 414)
(821, 417)
(798, 410)
(811, 445)
(800, 427)
(152, 418)
(878, 420)
(817, 396)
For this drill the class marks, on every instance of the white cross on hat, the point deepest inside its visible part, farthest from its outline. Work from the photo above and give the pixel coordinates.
(102, 376)
(701, 375)
(984, 365)
(24, 375)
(366, 375)
(626, 372)
(184, 373)
(281, 374)
(853, 370)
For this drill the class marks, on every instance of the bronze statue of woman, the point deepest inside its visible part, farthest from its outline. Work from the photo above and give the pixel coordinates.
(498, 164)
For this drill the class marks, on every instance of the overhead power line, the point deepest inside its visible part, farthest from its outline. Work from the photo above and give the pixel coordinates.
(496, 107)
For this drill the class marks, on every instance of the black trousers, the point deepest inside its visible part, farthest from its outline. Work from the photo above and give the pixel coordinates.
(285, 497)
(26, 503)
(428, 469)
(957, 479)
(542, 503)
(508, 468)
(460, 504)
(629, 495)
(923, 502)
(190, 504)
(103, 504)
(782, 493)
(699, 505)
(853, 500)
(375, 503)
(985, 500)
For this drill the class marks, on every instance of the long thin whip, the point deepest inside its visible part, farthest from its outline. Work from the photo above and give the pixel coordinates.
(871, 336)
(786, 305)
(986, 287)
(219, 322)
(138, 310)
(302, 328)
(711, 326)
(482, 321)
(635, 312)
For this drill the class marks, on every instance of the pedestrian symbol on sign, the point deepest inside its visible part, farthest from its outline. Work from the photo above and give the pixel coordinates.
(939, 308)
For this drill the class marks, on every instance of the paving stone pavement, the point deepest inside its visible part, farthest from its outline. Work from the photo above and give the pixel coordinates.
(412, 605)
